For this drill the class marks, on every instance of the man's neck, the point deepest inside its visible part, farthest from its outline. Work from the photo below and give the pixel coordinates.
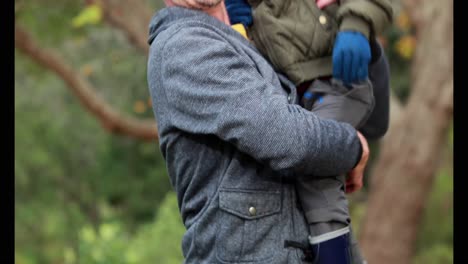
(219, 11)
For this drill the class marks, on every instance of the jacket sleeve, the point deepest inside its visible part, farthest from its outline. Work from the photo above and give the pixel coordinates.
(370, 17)
(214, 89)
(379, 74)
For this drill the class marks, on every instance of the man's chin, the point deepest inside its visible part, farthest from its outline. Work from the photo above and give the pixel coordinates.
(198, 4)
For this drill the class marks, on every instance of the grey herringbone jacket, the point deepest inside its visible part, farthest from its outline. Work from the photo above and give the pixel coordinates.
(234, 139)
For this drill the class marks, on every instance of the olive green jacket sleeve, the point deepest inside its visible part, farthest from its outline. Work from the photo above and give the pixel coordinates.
(370, 17)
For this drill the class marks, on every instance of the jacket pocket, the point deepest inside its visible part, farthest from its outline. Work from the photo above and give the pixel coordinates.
(248, 229)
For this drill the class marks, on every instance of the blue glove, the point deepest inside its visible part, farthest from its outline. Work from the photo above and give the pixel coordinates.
(239, 11)
(351, 57)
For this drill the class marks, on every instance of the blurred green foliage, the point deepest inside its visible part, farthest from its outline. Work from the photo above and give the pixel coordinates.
(157, 241)
(83, 195)
(435, 241)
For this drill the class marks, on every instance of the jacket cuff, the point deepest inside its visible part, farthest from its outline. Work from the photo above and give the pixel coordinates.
(376, 50)
(355, 23)
(359, 155)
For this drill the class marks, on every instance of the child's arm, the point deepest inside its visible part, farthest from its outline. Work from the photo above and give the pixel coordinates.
(369, 17)
(359, 21)
(379, 74)
(239, 11)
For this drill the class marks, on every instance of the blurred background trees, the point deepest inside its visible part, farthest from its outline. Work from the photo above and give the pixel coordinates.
(404, 171)
(90, 182)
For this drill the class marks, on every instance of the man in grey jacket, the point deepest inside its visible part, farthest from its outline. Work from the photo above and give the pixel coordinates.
(235, 139)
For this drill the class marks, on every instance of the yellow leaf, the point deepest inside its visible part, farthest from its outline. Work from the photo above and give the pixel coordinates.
(139, 107)
(403, 21)
(405, 46)
(92, 14)
(87, 70)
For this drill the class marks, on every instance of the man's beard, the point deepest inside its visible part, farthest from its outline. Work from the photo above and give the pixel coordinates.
(198, 4)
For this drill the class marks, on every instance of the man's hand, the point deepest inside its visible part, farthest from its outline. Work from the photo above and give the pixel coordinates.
(239, 11)
(354, 179)
(351, 57)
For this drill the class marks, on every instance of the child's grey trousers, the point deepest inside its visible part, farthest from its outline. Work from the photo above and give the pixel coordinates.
(323, 199)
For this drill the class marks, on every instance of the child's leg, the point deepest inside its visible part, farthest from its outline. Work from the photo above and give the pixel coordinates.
(324, 199)
(352, 105)
(326, 209)
(324, 203)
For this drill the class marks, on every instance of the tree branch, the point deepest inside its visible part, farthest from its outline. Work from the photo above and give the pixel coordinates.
(131, 17)
(111, 119)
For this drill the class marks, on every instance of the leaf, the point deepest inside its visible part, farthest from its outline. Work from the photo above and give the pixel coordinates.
(139, 107)
(405, 46)
(87, 70)
(403, 21)
(92, 14)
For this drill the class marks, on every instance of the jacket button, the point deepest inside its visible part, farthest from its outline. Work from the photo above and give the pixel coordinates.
(322, 19)
(252, 211)
(289, 98)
